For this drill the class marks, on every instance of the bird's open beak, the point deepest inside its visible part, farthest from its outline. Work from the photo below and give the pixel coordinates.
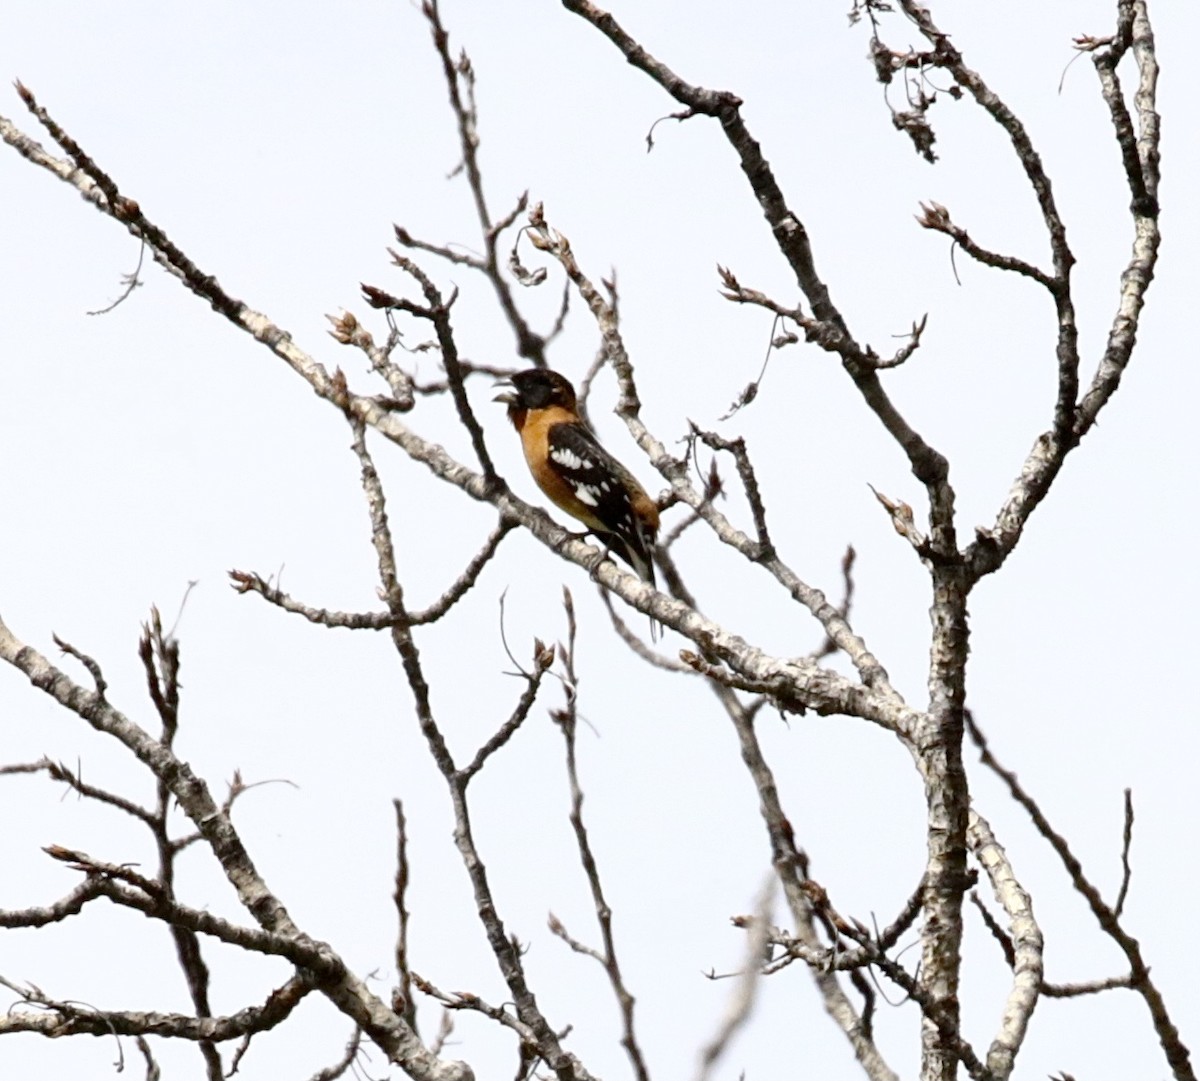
(509, 396)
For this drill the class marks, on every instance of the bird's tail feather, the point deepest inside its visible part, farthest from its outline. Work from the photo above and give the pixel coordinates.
(641, 559)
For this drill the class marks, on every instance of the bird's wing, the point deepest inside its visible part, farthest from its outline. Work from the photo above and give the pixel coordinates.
(604, 486)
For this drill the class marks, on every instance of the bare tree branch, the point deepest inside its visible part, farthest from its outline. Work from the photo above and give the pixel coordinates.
(1177, 1054)
(936, 217)
(1126, 844)
(741, 1003)
(503, 948)
(1025, 939)
(74, 780)
(460, 75)
(161, 659)
(567, 721)
(339, 1068)
(345, 990)
(54, 1019)
(402, 1000)
(244, 582)
(1051, 448)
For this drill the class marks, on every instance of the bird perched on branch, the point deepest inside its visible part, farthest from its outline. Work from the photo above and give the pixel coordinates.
(576, 472)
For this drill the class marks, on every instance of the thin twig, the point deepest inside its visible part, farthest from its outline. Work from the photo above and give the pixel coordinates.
(1126, 844)
(741, 1003)
(459, 74)
(402, 1001)
(567, 721)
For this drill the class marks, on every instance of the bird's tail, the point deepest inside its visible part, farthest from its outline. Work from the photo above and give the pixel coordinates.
(641, 558)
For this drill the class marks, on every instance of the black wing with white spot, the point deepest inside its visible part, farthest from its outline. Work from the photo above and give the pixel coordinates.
(602, 485)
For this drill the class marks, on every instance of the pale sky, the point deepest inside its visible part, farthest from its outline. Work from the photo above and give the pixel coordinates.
(157, 445)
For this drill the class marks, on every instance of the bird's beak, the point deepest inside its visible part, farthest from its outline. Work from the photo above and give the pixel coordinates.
(509, 396)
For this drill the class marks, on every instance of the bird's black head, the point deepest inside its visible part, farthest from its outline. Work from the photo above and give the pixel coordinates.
(537, 388)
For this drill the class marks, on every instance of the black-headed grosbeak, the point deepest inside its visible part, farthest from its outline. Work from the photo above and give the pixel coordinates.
(576, 472)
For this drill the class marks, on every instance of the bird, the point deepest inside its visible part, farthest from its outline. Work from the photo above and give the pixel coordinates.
(577, 474)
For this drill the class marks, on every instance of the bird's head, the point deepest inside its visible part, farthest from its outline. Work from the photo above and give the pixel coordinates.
(536, 388)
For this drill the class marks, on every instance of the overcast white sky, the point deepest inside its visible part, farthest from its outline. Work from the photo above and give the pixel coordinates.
(156, 445)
